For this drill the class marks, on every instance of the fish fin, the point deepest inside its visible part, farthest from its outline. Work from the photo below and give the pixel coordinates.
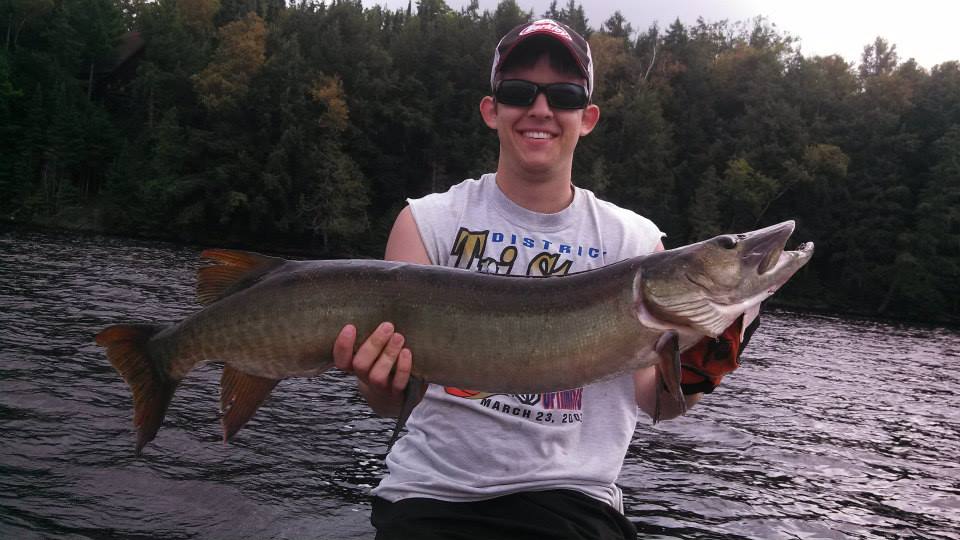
(152, 388)
(411, 396)
(234, 270)
(699, 313)
(241, 394)
(668, 370)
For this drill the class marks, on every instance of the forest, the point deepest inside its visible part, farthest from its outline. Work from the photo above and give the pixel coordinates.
(302, 127)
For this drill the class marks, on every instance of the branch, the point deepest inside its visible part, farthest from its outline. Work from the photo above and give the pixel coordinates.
(652, 60)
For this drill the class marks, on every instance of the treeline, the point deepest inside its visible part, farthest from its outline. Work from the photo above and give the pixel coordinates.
(254, 122)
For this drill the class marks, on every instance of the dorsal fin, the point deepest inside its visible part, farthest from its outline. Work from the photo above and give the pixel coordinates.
(234, 270)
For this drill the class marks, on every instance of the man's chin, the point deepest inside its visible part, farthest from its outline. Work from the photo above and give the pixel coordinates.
(539, 161)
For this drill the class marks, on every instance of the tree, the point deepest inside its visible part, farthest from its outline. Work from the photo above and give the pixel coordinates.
(198, 15)
(633, 141)
(878, 58)
(617, 26)
(9, 136)
(937, 288)
(19, 13)
(552, 12)
(706, 218)
(573, 16)
(507, 16)
(241, 53)
(95, 27)
(747, 194)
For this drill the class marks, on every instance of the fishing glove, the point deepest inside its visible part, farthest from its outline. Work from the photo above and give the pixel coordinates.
(705, 364)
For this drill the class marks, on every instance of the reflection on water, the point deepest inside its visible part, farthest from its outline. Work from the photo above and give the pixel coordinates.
(834, 428)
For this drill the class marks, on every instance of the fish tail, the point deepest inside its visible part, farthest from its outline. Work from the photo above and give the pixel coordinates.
(151, 386)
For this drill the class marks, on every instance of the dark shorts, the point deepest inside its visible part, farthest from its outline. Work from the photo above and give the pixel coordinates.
(540, 515)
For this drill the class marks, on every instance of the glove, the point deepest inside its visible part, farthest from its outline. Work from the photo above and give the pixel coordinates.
(704, 365)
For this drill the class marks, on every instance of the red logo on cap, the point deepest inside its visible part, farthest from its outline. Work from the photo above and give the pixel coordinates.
(546, 25)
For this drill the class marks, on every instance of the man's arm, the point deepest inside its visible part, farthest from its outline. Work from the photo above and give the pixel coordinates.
(382, 364)
(645, 381)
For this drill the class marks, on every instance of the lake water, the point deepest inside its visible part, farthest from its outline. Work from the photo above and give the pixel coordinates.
(833, 427)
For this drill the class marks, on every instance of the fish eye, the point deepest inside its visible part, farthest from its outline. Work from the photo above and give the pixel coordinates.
(727, 241)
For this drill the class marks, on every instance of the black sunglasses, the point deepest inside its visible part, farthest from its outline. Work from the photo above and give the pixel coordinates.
(520, 93)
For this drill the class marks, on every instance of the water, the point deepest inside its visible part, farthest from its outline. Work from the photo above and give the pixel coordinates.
(834, 428)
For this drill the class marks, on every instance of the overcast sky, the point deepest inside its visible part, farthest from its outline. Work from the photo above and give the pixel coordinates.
(927, 30)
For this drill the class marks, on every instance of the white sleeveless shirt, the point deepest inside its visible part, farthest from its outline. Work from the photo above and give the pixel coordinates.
(463, 445)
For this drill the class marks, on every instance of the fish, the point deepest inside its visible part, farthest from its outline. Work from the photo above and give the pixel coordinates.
(268, 319)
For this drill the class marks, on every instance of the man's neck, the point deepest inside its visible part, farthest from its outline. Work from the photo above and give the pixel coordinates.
(546, 195)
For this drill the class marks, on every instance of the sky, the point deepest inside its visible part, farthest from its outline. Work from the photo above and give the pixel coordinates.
(926, 30)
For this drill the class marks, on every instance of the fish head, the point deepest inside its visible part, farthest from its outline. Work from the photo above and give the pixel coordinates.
(706, 286)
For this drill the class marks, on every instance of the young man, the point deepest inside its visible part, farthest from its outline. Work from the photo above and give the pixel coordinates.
(516, 466)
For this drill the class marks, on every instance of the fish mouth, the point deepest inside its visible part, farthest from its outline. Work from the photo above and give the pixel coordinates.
(764, 249)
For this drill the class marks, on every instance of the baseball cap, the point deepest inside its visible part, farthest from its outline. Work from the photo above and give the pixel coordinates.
(574, 42)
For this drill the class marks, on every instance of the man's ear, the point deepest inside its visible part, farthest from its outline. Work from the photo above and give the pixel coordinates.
(591, 115)
(488, 110)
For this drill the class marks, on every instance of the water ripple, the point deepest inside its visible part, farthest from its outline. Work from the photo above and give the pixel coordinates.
(833, 427)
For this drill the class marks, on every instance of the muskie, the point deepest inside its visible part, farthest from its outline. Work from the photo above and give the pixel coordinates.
(268, 318)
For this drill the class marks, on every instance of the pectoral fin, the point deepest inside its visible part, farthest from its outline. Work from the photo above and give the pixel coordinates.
(411, 396)
(668, 370)
(241, 394)
(697, 312)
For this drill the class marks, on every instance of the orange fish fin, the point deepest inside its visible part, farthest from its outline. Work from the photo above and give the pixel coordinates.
(241, 394)
(233, 270)
(468, 394)
(152, 388)
(668, 370)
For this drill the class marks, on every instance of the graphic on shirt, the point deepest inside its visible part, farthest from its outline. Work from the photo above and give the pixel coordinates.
(548, 257)
(503, 265)
(469, 247)
(549, 408)
(564, 399)
(547, 264)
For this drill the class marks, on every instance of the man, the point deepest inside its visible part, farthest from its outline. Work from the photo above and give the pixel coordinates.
(517, 466)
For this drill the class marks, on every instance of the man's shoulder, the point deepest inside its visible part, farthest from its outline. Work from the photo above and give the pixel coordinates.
(611, 212)
(455, 192)
(437, 213)
(626, 233)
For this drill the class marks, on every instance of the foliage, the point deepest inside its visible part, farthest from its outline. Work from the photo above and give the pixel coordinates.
(238, 57)
(307, 124)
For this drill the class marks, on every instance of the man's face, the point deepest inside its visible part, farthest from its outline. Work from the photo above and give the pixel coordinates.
(538, 140)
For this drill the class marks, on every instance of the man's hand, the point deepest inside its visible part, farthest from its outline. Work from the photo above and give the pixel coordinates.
(382, 365)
